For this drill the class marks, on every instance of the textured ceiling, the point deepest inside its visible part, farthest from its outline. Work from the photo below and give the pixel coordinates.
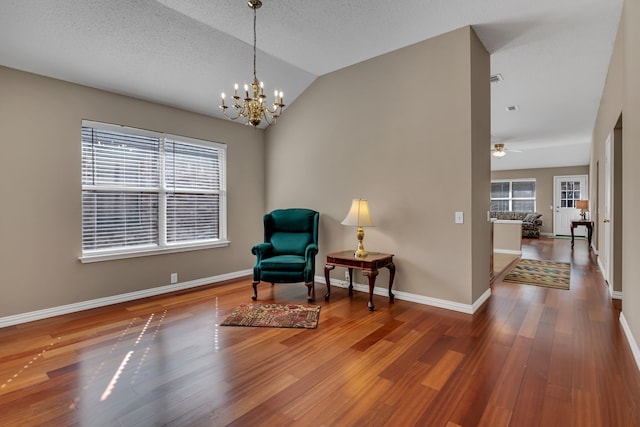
(553, 55)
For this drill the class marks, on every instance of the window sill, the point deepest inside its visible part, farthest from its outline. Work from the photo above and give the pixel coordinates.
(110, 256)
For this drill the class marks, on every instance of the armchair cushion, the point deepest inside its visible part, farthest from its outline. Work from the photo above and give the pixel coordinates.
(283, 263)
(290, 243)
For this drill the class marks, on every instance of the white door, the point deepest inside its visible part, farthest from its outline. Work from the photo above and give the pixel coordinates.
(568, 190)
(606, 215)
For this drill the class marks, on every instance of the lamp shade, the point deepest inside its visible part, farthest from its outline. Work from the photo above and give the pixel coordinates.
(582, 204)
(358, 214)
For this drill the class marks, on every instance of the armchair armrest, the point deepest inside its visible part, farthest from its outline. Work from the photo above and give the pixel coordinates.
(262, 250)
(310, 258)
(311, 251)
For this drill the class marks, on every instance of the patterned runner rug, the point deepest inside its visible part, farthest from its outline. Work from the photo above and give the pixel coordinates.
(274, 316)
(541, 273)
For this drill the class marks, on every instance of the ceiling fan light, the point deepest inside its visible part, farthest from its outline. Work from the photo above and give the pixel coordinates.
(499, 154)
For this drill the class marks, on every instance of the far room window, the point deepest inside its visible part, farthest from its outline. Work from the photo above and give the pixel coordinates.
(513, 195)
(146, 192)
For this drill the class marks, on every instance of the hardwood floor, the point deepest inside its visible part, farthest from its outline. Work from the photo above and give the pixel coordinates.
(531, 356)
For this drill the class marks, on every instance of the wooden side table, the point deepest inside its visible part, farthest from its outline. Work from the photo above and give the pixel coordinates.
(588, 224)
(369, 266)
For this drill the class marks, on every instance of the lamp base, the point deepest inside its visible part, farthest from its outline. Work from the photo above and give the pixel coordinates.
(583, 215)
(360, 252)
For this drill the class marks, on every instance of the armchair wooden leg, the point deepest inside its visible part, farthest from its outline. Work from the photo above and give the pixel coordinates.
(311, 292)
(255, 291)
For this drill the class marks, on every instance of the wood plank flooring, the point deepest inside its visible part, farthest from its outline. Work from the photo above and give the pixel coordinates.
(531, 356)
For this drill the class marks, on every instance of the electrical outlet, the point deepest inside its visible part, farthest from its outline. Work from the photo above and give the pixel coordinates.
(174, 278)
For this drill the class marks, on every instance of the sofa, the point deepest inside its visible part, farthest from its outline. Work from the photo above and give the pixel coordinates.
(531, 222)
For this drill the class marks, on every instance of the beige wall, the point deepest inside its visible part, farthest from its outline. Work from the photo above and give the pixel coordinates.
(544, 187)
(507, 236)
(630, 169)
(40, 222)
(480, 185)
(609, 112)
(621, 99)
(407, 130)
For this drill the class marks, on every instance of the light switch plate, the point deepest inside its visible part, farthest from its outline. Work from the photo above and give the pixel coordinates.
(459, 218)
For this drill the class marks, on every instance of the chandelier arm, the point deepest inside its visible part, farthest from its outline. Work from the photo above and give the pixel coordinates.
(268, 119)
(224, 111)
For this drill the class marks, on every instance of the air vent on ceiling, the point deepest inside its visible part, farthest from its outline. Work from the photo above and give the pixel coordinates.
(512, 108)
(496, 78)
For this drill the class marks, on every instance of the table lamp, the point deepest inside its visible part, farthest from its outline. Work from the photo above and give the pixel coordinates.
(359, 216)
(583, 205)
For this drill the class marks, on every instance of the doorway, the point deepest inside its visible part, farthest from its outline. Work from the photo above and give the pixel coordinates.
(567, 191)
(610, 217)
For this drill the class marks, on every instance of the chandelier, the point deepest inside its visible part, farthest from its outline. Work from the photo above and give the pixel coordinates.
(253, 108)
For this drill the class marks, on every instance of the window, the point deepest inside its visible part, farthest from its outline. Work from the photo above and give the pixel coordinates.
(513, 195)
(570, 193)
(144, 192)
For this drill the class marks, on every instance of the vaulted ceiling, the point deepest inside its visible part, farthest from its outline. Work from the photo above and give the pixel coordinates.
(553, 55)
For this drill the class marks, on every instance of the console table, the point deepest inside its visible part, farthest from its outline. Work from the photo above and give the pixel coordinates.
(588, 224)
(369, 266)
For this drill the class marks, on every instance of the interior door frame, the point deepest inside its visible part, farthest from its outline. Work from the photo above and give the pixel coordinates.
(607, 265)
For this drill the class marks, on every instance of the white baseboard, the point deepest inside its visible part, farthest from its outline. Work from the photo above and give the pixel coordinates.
(131, 296)
(632, 341)
(420, 299)
(600, 267)
(507, 251)
(614, 294)
(115, 299)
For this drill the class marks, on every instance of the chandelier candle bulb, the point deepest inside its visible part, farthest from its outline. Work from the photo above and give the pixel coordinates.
(222, 106)
(236, 90)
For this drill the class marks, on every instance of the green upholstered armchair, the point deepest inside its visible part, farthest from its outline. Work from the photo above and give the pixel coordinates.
(289, 250)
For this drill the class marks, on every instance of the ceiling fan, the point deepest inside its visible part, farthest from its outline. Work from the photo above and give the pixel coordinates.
(500, 151)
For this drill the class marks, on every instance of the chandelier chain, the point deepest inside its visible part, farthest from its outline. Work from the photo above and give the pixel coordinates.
(254, 45)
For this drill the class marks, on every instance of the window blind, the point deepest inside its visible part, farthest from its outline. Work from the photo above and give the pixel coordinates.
(192, 176)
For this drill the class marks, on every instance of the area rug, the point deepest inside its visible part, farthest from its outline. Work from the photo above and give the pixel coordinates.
(274, 316)
(541, 273)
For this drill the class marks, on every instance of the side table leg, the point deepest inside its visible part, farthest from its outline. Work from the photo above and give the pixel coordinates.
(372, 282)
(327, 268)
(350, 281)
(392, 274)
(572, 236)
